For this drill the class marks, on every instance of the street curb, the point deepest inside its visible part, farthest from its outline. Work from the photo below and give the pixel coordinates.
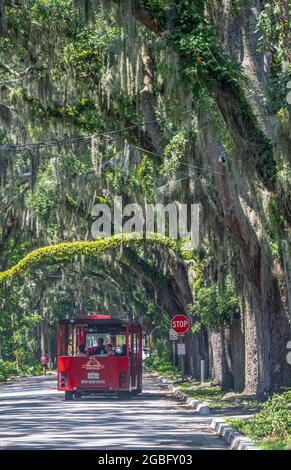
(199, 406)
(234, 439)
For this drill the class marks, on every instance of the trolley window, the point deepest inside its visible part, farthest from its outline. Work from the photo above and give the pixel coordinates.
(109, 335)
(74, 335)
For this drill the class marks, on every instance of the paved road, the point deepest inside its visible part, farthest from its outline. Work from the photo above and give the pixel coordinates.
(34, 415)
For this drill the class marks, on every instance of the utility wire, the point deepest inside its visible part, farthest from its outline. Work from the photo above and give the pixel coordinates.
(181, 163)
(54, 142)
(107, 134)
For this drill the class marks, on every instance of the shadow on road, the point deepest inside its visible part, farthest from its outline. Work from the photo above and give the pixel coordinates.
(34, 415)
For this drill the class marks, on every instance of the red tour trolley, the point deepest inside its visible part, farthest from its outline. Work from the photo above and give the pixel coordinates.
(84, 369)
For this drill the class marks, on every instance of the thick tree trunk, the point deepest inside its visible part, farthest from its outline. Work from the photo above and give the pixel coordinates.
(280, 328)
(237, 344)
(215, 347)
(226, 361)
(267, 331)
(221, 358)
(202, 353)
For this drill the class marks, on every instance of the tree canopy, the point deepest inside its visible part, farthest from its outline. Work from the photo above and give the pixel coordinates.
(157, 101)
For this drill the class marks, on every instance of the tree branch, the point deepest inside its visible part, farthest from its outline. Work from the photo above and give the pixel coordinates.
(237, 224)
(147, 103)
(144, 16)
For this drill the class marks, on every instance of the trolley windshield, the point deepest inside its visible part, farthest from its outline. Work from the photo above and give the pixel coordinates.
(97, 336)
(92, 339)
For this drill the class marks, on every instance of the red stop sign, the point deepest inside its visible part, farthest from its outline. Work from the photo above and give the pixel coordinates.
(180, 324)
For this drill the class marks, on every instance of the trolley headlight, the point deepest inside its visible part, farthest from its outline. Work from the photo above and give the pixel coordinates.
(123, 379)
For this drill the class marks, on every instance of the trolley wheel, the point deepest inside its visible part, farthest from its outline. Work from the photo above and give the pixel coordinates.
(69, 396)
(123, 395)
(77, 394)
(134, 393)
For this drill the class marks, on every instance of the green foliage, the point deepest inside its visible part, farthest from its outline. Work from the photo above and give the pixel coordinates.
(237, 5)
(141, 181)
(273, 27)
(23, 345)
(68, 59)
(158, 318)
(212, 308)
(58, 11)
(46, 195)
(63, 252)
(17, 328)
(157, 9)
(15, 253)
(44, 18)
(8, 368)
(206, 65)
(210, 393)
(277, 92)
(161, 364)
(86, 53)
(173, 152)
(63, 85)
(70, 165)
(270, 427)
(61, 170)
(277, 221)
(204, 61)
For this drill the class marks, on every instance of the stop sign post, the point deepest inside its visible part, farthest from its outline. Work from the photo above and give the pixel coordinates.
(180, 324)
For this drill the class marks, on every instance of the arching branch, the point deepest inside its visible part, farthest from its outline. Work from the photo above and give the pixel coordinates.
(63, 252)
